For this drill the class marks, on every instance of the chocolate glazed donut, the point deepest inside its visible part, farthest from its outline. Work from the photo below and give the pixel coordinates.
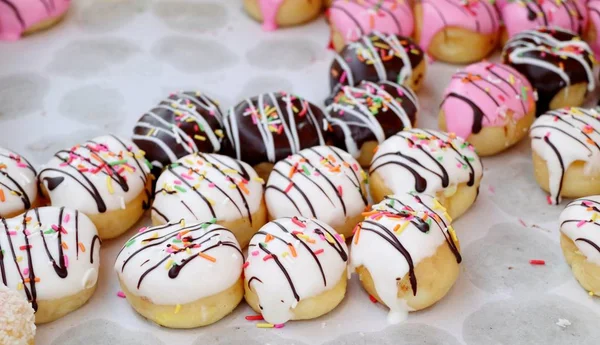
(272, 126)
(551, 59)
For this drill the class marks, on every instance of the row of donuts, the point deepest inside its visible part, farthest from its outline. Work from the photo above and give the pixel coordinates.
(440, 27)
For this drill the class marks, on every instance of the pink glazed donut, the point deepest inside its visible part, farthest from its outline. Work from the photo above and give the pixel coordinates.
(349, 20)
(443, 27)
(19, 17)
(521, 15)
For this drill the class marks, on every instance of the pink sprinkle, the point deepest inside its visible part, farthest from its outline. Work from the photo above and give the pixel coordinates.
(12, 233)
(317, 252)
(343, 77)
(121, 294)
(177, 182)
(26, 271)
(322, 237)
(186, 176)
(143, 229)
(586, 203)
(547, 135)
(66, 261)
(255, 253)
(21, 165)
(338, 237)
(27, 233)
(279, 325)
(580, 223)
(458, 165)
(211, 185)
(492, 189)
(67, 218)
(54, 227)
(549, 200)
(522, 222)
(339, 189)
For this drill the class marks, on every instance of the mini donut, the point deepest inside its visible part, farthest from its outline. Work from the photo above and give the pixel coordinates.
(107, 178)
(211, 187)
(457, 31)
(558, 64)
(349, 20)
(426, 161)
(23, 17)
(522, 15)
(319, 175)
(566, 153)
(363, 116)
(182, 275)
(580, 241)
(184, 123)
(489, 104)
(295, 270)
(592, 35)
(18, 184)
(271, 126)
(276, 13)
(17, 319)
(51, 256)
(377, 57)
(406, 253)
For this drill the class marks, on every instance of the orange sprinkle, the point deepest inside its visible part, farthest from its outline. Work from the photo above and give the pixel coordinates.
(81, 247)
(372, 21)
(397, 227)
(207, 257)
(293, 170)
(2, 196)
(64, 245)
(369, 213)
(96, 157)
(357, 234)
(268, 238)
(293, 250)
(243, 188)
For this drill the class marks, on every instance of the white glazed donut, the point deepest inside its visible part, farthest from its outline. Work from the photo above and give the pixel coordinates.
(566, 149)
(202, 187)
(106, 176)
(430, 162)
(321, 182)
(18, 184)
(295, 269)
(51, 256)
(179, 267)
(396, 236)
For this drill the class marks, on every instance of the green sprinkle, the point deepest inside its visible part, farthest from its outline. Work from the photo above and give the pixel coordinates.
(179, 188)
(213, 221)
(122, 161)
(262, 245)
(305, 169)
(147, 162)
(440, 158)
(49, 231)
(205, 225)
(176, 240)
(174, 165)
(129, 243)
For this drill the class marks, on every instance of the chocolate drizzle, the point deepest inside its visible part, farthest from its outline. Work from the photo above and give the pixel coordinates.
(15, 10)
(375, 57)
(551, 59)
(184, 123)
(272, 126)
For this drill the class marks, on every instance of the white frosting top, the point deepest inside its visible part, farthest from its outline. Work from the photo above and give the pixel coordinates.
(103, 174)
(179, 263)
(426, 161)
(18, 185)
(564, 136)
(293, 259)
(54, 255)
(398, 233)
(580, 221)
(202, 187)
(321, 182)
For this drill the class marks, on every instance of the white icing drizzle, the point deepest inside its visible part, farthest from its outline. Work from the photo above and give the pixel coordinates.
(564, 136)
(103, 174)
(293, 259)
(49, 253)
(399, 233)
(545, 42)
(266, 117)
(426, 161)
(18, 183)
(321, 182)
(179, 263)
(356, 106)
(203, 187)
(580, 221)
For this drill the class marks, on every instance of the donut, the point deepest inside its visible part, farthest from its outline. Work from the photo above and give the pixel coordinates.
(295, 270)
(319, 175)
(211, 187)
(443, 28)
(566, 153)
(51, 256)
(18, 184)
(522, 15)
(23, 17)
(431, 162)
(490, 105)
(184, 123)
(17, 319)
(580, 241)
(592, 36)
(378, 57)
(182, 275)
(275, 13)
(363, 116)
(558, 63)
(106, 178)
(406, 253)
(349, 20)
(269, 127)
